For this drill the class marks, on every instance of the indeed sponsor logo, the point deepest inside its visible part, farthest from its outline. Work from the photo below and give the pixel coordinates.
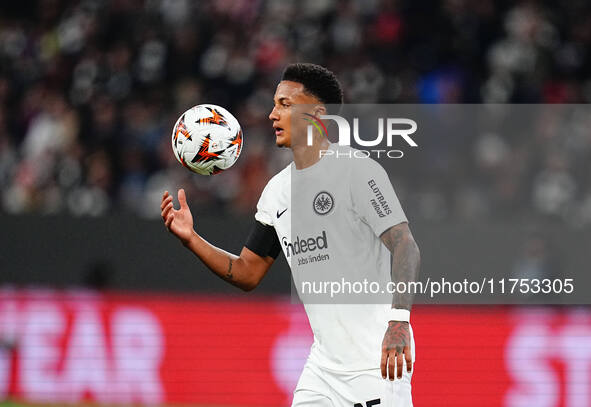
(304, 245)
(379, 203)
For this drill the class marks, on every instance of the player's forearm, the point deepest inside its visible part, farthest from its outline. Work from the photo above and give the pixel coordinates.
(226, 265)
(405, 268)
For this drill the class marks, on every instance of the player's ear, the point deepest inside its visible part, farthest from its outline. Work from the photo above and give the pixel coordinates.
(319, 110)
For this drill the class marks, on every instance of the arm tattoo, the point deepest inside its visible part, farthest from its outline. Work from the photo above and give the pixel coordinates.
(394, 238)
(405, 261)
(229, 275)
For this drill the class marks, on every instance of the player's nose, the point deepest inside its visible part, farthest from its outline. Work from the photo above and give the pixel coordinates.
(274, 116)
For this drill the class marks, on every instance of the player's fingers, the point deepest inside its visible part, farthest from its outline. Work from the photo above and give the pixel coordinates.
(384, 362)
(183, 198)
(391, 364)
(166, 210)
(399, 362)
(165, 202)
(169, 220)
(164, 195)
(408, 358)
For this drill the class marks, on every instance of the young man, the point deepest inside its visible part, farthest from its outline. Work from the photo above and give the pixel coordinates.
(326, 207)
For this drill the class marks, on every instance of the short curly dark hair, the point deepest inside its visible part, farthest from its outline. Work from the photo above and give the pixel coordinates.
(317, 80)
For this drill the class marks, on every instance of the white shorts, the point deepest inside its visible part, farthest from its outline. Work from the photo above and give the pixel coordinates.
(320, 387)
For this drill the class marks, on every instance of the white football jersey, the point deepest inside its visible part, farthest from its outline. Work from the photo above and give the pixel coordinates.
(329, 218)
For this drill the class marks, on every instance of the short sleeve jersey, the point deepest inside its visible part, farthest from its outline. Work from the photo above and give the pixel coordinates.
(328, 218)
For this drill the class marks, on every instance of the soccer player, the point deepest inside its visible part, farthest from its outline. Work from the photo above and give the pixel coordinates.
(344, 215)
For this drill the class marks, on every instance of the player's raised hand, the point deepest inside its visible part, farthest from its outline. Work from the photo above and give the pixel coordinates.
(395, 345)
(178, 221)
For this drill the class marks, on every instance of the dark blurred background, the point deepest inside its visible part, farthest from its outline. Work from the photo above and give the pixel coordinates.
(89, 91)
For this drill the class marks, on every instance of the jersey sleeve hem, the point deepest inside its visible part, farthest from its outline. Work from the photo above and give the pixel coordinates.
(387, 225)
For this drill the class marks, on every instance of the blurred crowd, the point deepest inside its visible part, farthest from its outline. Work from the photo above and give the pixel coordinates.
(90, 90)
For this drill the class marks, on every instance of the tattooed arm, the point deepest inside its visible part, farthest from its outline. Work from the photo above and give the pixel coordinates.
(405, 267)
(244, 271)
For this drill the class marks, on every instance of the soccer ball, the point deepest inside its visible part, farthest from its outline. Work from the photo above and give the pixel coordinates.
(207, 139)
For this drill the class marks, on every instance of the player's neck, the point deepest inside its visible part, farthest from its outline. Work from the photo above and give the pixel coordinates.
(305, 156)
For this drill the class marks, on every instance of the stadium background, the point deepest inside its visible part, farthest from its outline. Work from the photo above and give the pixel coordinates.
(99, 304)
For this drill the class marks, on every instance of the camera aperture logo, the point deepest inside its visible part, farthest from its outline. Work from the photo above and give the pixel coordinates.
(391, 127)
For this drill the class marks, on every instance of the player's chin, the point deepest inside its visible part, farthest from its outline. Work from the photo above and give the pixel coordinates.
(282, 141)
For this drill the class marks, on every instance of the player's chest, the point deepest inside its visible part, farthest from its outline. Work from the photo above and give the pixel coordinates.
(312, 205)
